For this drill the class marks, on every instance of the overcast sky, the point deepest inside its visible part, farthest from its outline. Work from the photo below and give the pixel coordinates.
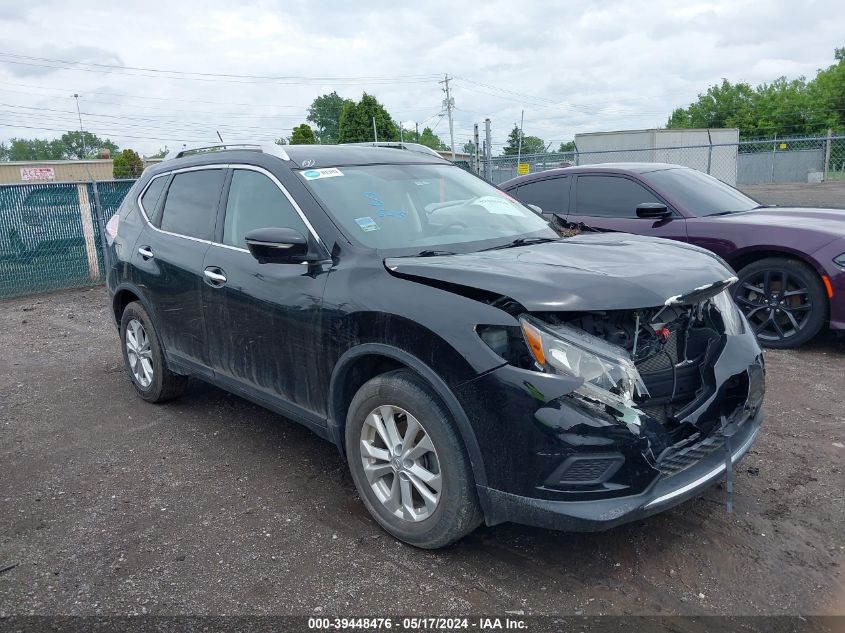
(573, 66)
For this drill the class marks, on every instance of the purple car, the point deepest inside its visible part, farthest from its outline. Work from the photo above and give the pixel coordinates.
(790, 261)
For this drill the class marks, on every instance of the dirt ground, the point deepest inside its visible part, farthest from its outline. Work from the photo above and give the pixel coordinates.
(211, 505)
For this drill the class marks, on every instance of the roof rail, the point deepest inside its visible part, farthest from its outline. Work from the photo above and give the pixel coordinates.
(411, 147)
(266, 148)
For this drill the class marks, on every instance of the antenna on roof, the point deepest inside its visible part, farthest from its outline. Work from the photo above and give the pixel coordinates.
(218, 136)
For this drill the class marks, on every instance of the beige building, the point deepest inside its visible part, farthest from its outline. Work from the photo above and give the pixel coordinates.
(41, 171)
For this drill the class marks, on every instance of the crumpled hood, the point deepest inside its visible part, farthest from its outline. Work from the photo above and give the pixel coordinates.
(610, 271)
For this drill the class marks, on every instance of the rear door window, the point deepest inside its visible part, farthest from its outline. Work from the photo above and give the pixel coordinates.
(551, 194)
(191, 205)
(149, 201)
(610, 196)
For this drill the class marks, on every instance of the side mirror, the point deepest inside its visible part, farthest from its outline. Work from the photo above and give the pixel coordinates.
(277, 246)
(653, 210)
(535, 209)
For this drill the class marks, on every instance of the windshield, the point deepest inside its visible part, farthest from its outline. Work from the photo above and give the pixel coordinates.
(419, 206)
(699, 193)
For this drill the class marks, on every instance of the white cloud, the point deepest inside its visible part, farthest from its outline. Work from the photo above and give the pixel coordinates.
(572, 66)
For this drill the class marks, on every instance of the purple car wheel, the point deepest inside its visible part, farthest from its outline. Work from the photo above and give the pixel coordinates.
(783, 300)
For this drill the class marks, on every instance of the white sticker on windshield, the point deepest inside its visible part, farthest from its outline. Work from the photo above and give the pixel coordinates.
(498, 206)
(314, 174)
(367, 224)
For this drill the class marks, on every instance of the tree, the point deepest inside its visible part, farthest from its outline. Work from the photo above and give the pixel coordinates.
(35, 149)
(324, 113)
(356, 121)
(430, 139)
(75, 148)
(469, 148)
(530, 144)
(127, 164)
(161, 153)
(568, 146)
(281, 140)
(302, 135)
(780, 108)
(4, 152)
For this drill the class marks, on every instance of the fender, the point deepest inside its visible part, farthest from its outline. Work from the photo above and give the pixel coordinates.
(142, 297)
(429, 375)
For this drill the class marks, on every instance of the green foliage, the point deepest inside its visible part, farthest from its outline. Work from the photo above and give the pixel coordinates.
(4, 151)
(281, 141)
(430, 139)
(75, 148)
(35, 149)
(530, 144)
(324, 113)
(356, 122)
(127, 164)
(161, 153)
(568, 146)
(302, 135)
(782, 108)
(69, 146)
(469, 148)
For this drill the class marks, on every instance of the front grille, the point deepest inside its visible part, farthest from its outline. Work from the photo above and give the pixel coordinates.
(674, 461)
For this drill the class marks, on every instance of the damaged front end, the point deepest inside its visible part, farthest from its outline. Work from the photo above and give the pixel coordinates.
(652, 392)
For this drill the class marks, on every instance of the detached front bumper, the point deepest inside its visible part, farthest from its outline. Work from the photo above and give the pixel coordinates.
(602, 514)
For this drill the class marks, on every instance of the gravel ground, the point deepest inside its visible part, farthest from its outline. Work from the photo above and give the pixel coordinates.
(210, 505)
(823, 194)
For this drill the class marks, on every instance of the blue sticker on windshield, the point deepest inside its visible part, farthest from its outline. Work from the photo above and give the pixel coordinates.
(378, 204)
(367, 224)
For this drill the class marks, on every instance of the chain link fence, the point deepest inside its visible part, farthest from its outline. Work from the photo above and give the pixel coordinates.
(789, 160)
(51, 234)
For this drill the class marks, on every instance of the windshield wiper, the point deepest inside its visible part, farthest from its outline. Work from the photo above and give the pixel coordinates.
(432, 253)
(523, 241)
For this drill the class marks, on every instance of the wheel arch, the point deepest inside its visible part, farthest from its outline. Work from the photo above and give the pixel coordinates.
(125, 294)
(367, 360)
(742, 258)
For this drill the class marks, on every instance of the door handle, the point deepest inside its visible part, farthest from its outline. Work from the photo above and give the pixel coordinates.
(215, 276)
(145, 252)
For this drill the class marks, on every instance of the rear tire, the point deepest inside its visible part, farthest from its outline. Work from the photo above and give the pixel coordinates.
(773, 310)
(144, 357)
(417, 484)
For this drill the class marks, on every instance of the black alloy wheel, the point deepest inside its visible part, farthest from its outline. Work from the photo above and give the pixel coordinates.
(783, 300)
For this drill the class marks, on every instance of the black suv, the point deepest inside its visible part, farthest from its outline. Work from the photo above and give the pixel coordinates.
(470, 364)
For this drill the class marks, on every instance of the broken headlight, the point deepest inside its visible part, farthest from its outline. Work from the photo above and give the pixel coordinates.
(731, 316)
(607, 370)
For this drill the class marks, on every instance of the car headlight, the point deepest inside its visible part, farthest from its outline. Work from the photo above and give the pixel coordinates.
(608, 372)
(732, 317)
(840, 260)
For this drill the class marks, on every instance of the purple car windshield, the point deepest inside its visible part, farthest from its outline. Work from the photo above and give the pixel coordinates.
(699, 193)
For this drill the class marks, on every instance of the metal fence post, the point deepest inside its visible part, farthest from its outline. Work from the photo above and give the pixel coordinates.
(774, 149)
(827, 154)
(488, 151)
(101, 225)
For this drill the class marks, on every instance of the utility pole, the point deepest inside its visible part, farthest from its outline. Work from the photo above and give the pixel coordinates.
(417, 127)
(81, 130)
(449, 104)
(476, 162)
(519, 146)
(401, 135)
(488, 151)
(375, 132)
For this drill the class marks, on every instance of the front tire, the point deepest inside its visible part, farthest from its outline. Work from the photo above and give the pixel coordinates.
(408, 462)
(144, 357)
(783, 300)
